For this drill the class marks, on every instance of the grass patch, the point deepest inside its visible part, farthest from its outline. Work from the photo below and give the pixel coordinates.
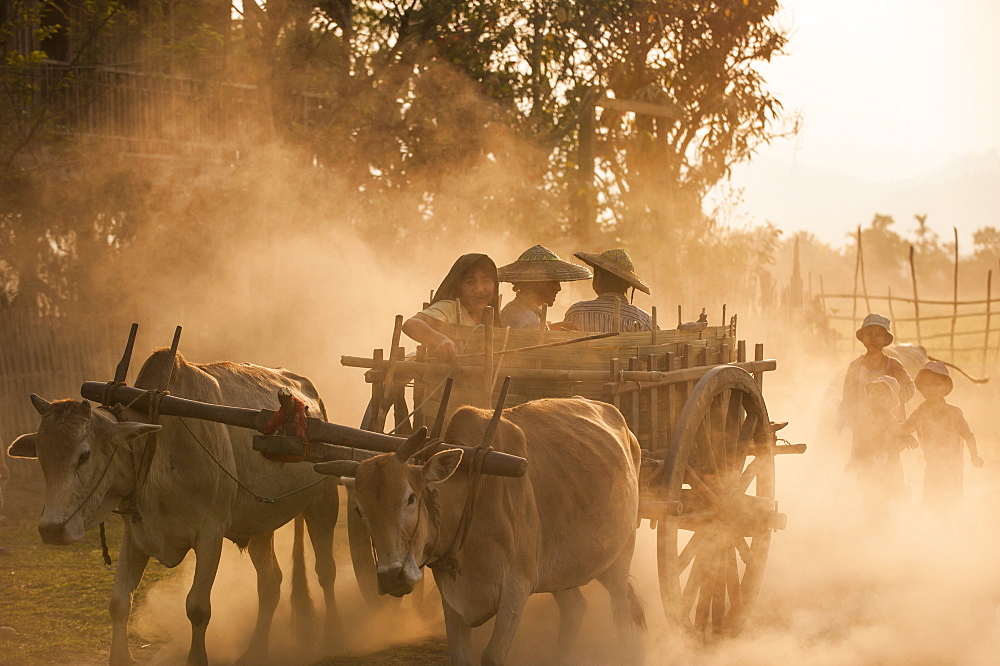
(56, 597)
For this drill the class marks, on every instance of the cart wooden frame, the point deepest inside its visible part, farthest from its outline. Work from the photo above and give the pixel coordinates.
(692, 398)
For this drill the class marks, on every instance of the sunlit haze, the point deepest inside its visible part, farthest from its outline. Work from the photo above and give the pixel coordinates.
(889, 93)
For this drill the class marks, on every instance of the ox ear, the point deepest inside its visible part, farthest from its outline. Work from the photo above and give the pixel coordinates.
(441, 466)
(40, 404)
(23, 447)
(129, 430)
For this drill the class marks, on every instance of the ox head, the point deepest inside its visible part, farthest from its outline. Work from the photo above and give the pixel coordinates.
(392, 499)
(75, 446)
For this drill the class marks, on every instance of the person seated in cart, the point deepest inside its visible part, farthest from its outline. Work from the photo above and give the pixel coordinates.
(941, 429)
(875, 335)
(470, 286)
(614, 274)
(535, 278)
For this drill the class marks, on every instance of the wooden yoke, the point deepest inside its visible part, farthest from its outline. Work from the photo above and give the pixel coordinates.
(348, 443)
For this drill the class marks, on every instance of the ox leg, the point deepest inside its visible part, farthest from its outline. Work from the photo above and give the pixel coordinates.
(459, 636)
(627, 608)
(261, 550)
(131, 565)
(199, 598)
(513, 596)
(572, 606)
(321, 519)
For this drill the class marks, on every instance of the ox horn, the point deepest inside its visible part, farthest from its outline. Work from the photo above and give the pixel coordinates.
(346, 468)
(442, 410)
(412, 444)
(168, 371)
(121, 371)
(40, 404)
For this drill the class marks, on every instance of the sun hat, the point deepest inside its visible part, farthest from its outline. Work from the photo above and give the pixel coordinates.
(540, 264)
(934, 371)
(887, 381)
(618, 263)
(877, 321)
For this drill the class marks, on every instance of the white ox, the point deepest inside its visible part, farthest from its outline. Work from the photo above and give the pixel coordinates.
(90, 462)
(914, 358)
(570, 520)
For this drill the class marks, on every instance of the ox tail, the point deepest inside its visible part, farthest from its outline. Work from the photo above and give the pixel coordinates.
(974, 380)
(303, 613)
(636, 607)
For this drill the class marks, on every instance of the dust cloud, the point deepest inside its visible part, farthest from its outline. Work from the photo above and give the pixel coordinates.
(282, 277)
(837, 589)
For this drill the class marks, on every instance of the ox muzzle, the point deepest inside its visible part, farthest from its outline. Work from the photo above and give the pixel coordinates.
(60, 533)
(398, 580)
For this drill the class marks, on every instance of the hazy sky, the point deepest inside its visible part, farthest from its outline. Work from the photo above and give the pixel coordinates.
(888, 90)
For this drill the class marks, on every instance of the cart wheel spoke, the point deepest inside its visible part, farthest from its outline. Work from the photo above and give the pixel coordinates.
(733, 582)
(734, 423)
(750, 473)
(705, 583)
(719, 591)
(744, 550)
(706, 447)
(699, 485)
(695, 545)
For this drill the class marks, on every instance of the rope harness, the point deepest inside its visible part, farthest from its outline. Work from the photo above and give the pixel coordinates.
(447, 562)
(280, 421)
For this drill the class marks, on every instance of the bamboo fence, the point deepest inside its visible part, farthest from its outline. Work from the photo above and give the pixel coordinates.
(960, 330)
(50, 356)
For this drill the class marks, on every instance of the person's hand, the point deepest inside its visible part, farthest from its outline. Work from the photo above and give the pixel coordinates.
(911, 443)
(977, 461)
(563, 326)
(447, 351)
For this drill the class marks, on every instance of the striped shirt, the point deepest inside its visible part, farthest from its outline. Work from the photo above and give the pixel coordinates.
(597, 315)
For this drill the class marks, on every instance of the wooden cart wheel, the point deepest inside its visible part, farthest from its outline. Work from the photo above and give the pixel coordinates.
(720, 466)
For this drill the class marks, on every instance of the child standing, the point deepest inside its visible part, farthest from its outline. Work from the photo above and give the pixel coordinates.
(879, 437)
(875, 335)
(941, 428)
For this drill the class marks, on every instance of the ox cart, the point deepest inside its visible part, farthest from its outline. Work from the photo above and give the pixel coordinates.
(691, 397)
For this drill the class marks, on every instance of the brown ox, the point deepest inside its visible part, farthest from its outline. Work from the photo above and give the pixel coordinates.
(570, 520)
(90, 463)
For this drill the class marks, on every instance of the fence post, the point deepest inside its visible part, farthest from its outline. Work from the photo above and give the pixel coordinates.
(854, 291)
(892, 315)
(916, 297)
(861, 263)
(954, 311)
(986, 340)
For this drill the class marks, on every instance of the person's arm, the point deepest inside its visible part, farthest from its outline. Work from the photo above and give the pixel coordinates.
(970, 439)
(847, 398)
(420, 327)
(906, 386)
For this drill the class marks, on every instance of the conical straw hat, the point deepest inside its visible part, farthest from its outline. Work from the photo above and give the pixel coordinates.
(617, 262)
(540, 264)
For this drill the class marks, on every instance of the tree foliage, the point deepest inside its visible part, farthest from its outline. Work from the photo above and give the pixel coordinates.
(451, 116)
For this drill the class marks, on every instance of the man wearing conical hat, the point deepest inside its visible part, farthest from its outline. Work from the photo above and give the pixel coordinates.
(535, 278)
(614, 275)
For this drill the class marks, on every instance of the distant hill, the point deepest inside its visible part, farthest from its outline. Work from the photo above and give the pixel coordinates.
(964, 193)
